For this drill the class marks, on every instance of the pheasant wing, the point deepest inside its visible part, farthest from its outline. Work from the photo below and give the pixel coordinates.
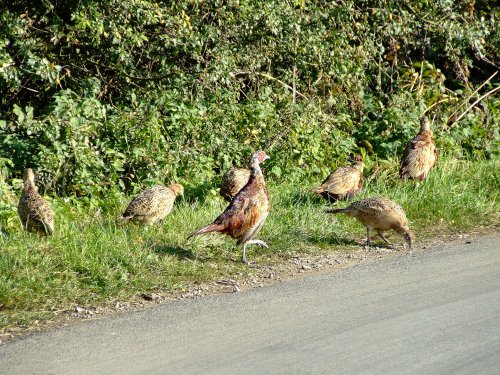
(340, 181)
(419, 156)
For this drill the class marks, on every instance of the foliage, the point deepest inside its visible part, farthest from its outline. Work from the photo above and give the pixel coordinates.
(99, 95)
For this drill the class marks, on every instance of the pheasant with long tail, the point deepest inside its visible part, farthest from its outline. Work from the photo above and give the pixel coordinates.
(248, 210)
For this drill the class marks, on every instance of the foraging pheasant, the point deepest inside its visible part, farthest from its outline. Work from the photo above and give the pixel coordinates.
(380, 214)
(420, 155)
(233, 181)
(35, 212)
(153, 204)
(248, 210)
(342, 182)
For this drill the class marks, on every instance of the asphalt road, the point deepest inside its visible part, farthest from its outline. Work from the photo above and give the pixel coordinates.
(435, 311)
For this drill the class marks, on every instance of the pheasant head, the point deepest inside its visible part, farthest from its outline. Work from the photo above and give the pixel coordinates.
(258, 157)
(359, 166)
(178, 189)
(425, 125)
(407, 235)
(29, 179)
(28, 175)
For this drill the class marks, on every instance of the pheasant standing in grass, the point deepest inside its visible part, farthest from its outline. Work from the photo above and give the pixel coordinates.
(380, 214)
(420, 155)
(153, 204)
(248, 210)
(35, 212)
(342, 182)
(233, 181)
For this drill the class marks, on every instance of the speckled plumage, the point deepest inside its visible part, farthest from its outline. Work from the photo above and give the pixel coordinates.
(420, 155)
(233, 181)
(343, 182)
(380, 214)
(35, 212)
(153, 204)
(247, 212)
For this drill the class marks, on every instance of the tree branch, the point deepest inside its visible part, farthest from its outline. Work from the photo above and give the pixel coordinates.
(268, 76)
(474, 104)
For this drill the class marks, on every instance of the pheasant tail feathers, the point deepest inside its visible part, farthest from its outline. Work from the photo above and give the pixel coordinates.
(335, 210)
(207, 229)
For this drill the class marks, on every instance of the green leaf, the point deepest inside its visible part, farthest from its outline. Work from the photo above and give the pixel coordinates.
(19, 112)
(276, 171)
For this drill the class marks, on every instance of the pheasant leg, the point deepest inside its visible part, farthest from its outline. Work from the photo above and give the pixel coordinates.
(368, 243)
(258, 242)
(381, 235)
(244, 258)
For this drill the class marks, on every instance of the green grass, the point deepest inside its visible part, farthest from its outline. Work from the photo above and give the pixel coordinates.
(91, 259)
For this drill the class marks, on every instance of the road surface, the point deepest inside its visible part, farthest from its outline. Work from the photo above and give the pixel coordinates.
(435, 311)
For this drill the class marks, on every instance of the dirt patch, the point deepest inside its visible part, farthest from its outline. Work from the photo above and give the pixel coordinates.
(257, 275)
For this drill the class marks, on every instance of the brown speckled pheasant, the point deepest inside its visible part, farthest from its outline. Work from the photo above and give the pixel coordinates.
(420, 155)
(35, 212)
(233, 181)
(248, 210)
(153, 204)
(380, 214)
(342, 182)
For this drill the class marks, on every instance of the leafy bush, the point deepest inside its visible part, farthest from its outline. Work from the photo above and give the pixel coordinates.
(105, 95)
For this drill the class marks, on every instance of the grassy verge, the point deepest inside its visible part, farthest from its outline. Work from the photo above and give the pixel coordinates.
(92, 259)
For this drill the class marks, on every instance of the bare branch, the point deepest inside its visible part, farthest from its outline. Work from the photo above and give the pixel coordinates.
(474, 104)
(268, 76)
(470, 96)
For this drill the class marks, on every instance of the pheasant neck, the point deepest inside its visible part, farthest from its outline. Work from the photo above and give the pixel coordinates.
(29, 184)
(425, 127)
(256, 169)
(256, 173)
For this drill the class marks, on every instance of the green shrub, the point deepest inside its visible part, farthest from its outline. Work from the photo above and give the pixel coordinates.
(106, 95)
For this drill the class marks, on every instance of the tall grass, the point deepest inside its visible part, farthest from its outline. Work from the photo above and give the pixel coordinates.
(92, 259)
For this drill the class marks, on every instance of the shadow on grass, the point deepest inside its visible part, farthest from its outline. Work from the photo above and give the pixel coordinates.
(334, 240)
(177, 251)
(309, 198)
(303, 198)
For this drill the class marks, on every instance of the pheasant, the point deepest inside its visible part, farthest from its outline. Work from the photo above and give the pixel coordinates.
(420, 155)
(247, 212)
(232, 182)
(380, 214)
(35, 212)
(153, 204)
(343, 182)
